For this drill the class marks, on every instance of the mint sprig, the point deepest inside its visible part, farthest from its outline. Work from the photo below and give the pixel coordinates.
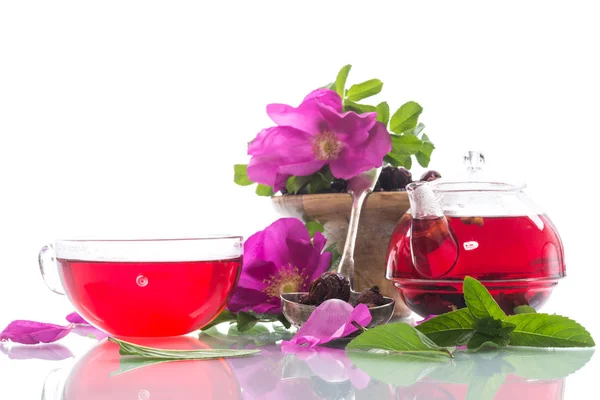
(490, 327)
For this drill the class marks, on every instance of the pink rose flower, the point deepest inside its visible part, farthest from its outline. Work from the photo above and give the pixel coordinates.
(313, 135)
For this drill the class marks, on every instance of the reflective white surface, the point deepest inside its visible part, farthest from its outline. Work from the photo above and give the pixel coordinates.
(82, 368)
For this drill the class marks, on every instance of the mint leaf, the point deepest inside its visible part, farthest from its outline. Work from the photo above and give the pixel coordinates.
(358, 108)
(264, 190)
(450, 329)
(336, 256)
(383, 112)
(481, 340)
(524, 310)
(314, 226)
(363, 90)
(340, 80)
(544, 330)
(130, 349)
(494, 327)
(479, 301)
(424, 154)
(405, 117)
(399, 337)
(225, 316)
(245, 321)
(406, 144)
(240, 176)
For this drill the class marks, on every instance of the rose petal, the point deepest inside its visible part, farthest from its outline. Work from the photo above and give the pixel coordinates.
(31, 332)
(331, 320)
(75, 318)
(89, 331)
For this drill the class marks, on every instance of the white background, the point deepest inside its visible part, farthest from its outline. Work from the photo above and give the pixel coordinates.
(124, 118)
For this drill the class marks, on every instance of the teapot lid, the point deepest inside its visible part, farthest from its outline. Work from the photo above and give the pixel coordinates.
(475, 178)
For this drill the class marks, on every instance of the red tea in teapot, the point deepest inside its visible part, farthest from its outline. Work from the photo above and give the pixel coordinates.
(149, 298)
(518, 258)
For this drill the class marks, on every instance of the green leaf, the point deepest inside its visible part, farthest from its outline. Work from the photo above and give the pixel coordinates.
(225, 316)
(358, 108)
(340, 80)
(383, 112)
(330, 86)
(424, 154)
(406, 144)
(479, 301)
(494, 327)
(524, 310)
(386, 367)
(295, 183)
(399, 337)
(264, 190)
(128, 364)
(363, 90)
(320, 180)
(336, 256)
(450, 329)
(281, 318)
(130, 349)
(405, 117)
(544, 330)
(314, 226)
(398, 161)
(240, 176)
(245, 321)
(481, 340)
(255, 330)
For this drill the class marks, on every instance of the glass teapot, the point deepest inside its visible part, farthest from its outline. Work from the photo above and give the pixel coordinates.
(490, 231)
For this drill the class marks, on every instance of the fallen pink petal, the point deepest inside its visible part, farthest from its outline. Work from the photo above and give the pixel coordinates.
(331, 320)
(31, 332)
(75, 318)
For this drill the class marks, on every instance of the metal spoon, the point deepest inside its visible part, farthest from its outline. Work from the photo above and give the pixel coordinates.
(359, 188)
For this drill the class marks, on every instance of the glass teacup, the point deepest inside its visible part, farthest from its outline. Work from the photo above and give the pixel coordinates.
(142, 288)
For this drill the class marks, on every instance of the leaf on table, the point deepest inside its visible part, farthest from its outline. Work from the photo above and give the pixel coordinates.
(246, 321)
(481, 341)
(485, 387)
(494, 327)
(524, 310)
(479, 301)
(131, 349)
(398, 337)
(224, 316)
(450, 329)
(544, 330)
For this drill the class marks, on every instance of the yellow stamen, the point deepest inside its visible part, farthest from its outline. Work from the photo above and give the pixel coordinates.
(326, 146)
(287, 280)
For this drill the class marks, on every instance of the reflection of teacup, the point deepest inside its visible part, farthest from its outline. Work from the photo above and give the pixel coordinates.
(143, 288)
(104, 375)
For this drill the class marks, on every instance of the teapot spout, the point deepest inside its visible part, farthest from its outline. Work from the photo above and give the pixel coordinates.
(433, 245)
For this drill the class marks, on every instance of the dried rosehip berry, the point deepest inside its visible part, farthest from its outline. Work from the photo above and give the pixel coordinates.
(371, 297)
(304, 299)
(329, 286)
(392, 178)
(430, 176)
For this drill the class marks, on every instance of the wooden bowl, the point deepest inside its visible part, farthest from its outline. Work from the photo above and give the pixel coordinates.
(380, 213)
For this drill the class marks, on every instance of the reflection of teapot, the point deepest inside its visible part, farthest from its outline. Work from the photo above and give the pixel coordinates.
(487, 230)
(104, 375)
